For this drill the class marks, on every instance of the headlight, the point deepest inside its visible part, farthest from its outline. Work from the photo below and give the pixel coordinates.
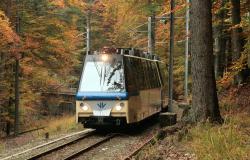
(105, 57)
(119, 106)
(84, 106)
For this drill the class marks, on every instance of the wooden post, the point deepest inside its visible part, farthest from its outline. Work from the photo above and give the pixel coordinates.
(171, 58)
(17, 67)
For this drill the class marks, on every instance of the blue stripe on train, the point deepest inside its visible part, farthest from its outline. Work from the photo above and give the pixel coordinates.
(101, 95)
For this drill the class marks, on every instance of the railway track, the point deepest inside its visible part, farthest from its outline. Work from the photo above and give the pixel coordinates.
(71, 138)
(88, 148)
(37, 156)
(134, 152)
(153, 138)
(57, 152)
(92, 145)
(76, 151)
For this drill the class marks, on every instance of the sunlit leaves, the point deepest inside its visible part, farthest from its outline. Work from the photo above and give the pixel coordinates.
(7, 35)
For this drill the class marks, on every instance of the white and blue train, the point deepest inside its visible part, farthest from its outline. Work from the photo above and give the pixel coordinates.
(119, 87)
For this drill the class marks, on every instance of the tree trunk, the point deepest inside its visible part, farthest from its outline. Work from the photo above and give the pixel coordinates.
(236, 31)
(204, 97)
(220, 42)
(8, 9)
(228, 53)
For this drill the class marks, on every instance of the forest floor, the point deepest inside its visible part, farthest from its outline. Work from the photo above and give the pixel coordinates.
(230, 140)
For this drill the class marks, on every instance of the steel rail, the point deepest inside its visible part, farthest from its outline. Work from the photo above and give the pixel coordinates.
(46, 144)
(152, 139)
(60, 146)
(134, 152)
(86, 149)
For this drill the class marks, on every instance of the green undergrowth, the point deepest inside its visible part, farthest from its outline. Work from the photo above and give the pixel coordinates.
(230, 141)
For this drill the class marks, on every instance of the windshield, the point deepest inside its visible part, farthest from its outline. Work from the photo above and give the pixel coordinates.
(102, 73)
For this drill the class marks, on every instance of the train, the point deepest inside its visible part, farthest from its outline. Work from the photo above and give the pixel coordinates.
(120, 86)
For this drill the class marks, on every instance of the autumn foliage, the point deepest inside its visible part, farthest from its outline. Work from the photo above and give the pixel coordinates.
(51, 43)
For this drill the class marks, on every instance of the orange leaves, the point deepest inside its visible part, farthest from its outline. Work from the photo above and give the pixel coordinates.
(58, 3)
(233, 70)
(216, 6)
(78, 3)
(56, 45)
(30, 43)
(237, 26)
(226, 81)
(9, 40)
(240, 63)
(7, 35)
(27, 70)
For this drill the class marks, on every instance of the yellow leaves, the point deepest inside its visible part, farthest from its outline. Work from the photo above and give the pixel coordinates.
(53, 41)
(56, 47)
(233, 70)
(119, 18)
(240, 63)
(30, 43)
(72, 38)
(58, 3)
(7, 35)
(78, 3)
(237, 26)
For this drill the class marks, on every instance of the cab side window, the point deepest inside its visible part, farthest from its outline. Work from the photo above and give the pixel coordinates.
(130, 75)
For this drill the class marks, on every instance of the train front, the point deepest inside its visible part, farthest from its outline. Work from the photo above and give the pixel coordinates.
(101, 96)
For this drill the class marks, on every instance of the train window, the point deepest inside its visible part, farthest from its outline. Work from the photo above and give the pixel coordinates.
(140, 76)
(164, 75)
(149, 75)
(156, 78)
(130, 74)
(143, 73)
(152, 75)
(146, 72)
(103, 75)
(158, 74)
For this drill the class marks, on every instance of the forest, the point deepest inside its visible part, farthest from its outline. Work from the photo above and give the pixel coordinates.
(43, 43)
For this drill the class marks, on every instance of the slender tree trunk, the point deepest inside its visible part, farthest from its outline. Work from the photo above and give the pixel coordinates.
(6, 79)
(204, 97)
(236, 31)
(220, 42)
(8, 8)
(228, 52)
(237, 42)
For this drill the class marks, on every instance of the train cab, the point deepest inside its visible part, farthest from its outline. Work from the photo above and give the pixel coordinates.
(118, 88)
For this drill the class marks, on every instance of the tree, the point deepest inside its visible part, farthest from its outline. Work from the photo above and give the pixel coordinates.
(7, 40)
(237, 43)
(236, 30)
(204, 99)
(48, 42)
(220, 37)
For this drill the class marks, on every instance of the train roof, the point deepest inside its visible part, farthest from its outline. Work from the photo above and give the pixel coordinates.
(131, 52)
